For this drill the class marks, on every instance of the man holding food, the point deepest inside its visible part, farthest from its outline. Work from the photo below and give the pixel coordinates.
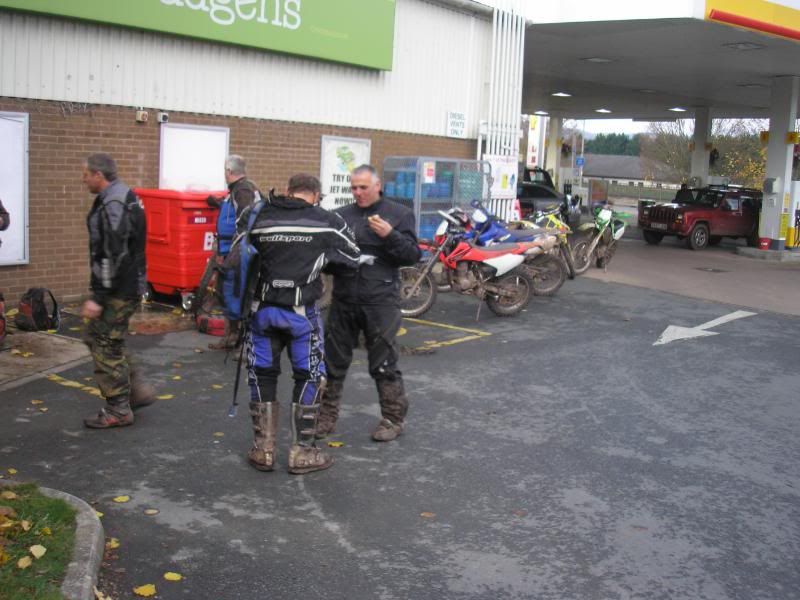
(368, 300)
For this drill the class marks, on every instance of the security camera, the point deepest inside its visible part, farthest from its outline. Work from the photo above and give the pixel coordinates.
(162, 117)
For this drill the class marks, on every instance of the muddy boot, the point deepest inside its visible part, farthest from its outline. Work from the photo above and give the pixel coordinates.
(142, 393)
(304, 456)
(329, 408)
(265, 431)
(228, 341)
(117, 413)
(394, 406)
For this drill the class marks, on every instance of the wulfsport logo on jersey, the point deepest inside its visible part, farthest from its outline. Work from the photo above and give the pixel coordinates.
(278, 13)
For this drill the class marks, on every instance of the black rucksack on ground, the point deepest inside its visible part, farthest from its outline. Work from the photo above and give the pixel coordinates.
(33, 312)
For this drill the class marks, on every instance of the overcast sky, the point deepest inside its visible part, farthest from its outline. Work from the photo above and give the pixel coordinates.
(613, 126)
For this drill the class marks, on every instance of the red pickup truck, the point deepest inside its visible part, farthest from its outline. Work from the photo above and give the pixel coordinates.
(704, 216)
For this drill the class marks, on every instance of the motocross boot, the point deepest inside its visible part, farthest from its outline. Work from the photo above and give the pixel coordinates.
(304, 456)
(117, 413)
(329, 409)
(265, 431)
(228, 341)
(142, 393)
(394, 406)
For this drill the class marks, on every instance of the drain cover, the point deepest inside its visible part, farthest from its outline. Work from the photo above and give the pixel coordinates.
(710, 270)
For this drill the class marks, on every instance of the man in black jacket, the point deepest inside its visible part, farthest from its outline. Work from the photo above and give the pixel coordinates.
(295, 240)
(117, 232)
(367, 300)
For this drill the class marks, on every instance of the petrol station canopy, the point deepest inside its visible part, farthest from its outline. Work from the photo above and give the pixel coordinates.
(640, 59)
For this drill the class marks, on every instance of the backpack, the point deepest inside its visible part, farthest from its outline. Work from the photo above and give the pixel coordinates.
(240, 269)
(3, 327)
(116, 242)
(33, 314)
(226, 225)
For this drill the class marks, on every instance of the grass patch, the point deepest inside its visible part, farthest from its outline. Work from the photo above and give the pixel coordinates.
(50, 523)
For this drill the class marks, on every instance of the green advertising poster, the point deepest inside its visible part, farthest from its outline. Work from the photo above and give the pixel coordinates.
(358, 32)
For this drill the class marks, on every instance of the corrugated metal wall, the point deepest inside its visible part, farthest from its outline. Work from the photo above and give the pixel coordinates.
(441, 61)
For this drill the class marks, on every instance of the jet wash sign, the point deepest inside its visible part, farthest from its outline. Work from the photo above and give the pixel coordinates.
(357, 32)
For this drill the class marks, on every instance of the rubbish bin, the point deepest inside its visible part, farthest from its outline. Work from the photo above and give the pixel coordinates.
(180, 239)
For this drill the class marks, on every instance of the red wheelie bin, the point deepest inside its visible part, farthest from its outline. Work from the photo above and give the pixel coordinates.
(180, 239)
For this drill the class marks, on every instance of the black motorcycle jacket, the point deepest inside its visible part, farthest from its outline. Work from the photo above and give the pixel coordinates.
(378, 283)
(295, 240)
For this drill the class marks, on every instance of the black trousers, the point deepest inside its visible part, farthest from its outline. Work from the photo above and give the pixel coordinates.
(379, 323)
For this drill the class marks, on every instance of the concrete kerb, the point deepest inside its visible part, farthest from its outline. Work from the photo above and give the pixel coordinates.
(770, 255)
(87, 553)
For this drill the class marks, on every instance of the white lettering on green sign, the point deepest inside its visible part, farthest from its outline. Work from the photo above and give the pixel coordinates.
(282, 13)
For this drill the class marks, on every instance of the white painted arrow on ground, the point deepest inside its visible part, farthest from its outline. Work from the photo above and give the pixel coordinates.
(675, 332)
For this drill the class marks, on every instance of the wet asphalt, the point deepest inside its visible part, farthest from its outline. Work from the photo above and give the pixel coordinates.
(563, 456)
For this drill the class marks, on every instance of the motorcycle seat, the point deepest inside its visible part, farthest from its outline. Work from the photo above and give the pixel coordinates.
(510, 247)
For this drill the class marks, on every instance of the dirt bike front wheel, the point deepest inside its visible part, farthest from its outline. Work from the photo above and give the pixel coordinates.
(566, 253)
(416, 302)
(548, 274)
(581, 257)
(517, 286)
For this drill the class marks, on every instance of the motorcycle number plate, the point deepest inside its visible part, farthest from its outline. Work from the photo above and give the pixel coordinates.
(658, 225)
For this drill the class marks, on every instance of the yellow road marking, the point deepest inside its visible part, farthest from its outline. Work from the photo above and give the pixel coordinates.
(74, 384)
(468, 338)
(475, 332)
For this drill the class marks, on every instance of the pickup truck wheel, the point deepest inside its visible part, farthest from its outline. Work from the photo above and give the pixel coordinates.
(652, 237)
(714, 240)
(698, 239)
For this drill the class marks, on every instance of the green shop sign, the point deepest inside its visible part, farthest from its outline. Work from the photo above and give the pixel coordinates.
(358, 32)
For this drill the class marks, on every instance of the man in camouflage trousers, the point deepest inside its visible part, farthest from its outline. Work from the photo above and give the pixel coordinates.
(117, 233)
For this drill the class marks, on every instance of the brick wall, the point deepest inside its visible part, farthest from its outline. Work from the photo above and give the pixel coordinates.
(62, 134)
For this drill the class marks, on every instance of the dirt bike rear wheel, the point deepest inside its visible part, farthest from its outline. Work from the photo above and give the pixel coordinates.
(420, 302)
(520, 286)
(582, 259)
(603, 261)
(548, 275)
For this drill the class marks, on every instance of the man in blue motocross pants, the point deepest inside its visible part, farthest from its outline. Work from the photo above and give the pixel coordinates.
(295, 240)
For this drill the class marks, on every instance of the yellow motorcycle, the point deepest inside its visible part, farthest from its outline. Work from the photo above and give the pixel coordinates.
(552, 222)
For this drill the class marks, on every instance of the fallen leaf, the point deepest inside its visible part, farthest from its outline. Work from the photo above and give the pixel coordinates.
(145, 590)
(52, 331)
(8, 495)
(12, 471)
(177, 365)
(112, 544)
(7, 512)
(13, 312)
(27, 354)
(170, 576)
(166, 396)
(121, 499)
(98, 595)
(45, 531)
(15, 352)
(198, 351)
(24, 562)
(38, 551)
(216, 386)
(26, 525)
(151, 511)
(427, 515)
(43, 409)
(37, 402)
(177, 311)
(98, 513)
(335, 444)
(176, 377)
(88, 378)
(218, 434)
(75, 328)
(4, 558)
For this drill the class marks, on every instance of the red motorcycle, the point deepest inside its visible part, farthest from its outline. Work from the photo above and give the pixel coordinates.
(491, 273)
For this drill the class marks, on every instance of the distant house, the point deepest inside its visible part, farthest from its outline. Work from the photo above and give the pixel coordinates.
(628, 170)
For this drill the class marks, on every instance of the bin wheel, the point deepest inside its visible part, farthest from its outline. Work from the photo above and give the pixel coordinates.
(148, 294)
(187, 302)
